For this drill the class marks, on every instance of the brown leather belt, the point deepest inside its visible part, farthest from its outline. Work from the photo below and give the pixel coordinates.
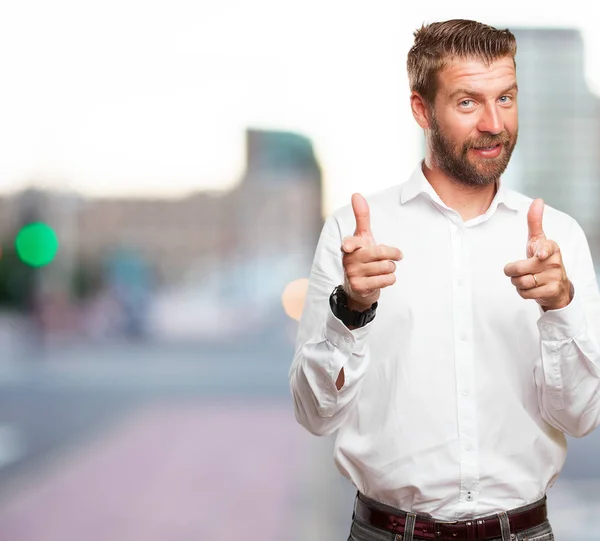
(479, 529)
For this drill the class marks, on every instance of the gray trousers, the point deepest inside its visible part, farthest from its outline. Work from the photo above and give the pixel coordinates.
(361, 531)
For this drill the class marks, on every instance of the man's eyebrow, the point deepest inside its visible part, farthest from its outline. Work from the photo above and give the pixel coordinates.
(475, 94)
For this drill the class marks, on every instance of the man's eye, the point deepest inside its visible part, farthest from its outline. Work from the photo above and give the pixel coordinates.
(465, 103)
(505, 99)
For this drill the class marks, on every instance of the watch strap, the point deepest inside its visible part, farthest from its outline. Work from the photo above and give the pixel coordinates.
(338, 301)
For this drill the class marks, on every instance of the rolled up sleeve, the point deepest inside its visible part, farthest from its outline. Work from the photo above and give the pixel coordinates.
(570, 387)
(325, 345)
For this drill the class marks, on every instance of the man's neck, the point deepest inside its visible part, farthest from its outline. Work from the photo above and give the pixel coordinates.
(468, 201)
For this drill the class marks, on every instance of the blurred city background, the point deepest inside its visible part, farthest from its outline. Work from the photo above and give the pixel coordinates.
(166, 170)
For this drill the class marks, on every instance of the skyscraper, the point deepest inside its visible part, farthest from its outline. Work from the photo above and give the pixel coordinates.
(558, 154)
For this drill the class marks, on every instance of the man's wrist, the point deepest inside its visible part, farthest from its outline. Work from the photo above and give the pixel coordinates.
(563, 303)
(357, 306)
(350, 316)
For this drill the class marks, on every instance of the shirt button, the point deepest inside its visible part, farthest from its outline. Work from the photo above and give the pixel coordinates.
(465, 393)
(346, 339)
(468, 447)
(463, 337)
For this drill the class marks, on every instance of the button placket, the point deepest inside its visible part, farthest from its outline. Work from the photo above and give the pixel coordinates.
(464, 370)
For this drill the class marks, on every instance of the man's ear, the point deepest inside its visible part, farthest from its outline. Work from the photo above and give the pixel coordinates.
(420, 110)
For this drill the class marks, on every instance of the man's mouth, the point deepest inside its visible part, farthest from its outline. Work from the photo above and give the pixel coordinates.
(488, 152)
(487, 148)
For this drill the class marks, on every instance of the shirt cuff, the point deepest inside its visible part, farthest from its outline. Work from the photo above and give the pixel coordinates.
(346, 340)
(563, 324)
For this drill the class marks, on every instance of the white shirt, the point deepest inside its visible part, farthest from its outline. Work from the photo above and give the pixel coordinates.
(458, 394)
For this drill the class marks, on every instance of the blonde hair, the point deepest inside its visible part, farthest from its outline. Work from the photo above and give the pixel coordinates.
(437, 43)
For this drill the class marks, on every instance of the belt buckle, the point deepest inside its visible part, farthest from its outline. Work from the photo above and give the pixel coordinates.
(439, 525)
(474, 529)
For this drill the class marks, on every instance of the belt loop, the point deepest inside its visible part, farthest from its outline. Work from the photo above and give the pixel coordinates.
(505, 527)
(409, 527)
(480, 529)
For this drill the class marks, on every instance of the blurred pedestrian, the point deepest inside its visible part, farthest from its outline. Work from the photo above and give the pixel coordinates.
(450, 330)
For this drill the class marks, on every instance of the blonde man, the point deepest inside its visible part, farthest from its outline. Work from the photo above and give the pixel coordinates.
(450, 330)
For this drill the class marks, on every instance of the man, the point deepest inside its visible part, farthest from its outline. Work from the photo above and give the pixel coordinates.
(452, 369)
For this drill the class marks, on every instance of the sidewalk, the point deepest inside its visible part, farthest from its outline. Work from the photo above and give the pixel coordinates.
(180, 472)
(199, 470)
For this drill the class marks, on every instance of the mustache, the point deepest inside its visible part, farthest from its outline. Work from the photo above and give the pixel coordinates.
(487, 141)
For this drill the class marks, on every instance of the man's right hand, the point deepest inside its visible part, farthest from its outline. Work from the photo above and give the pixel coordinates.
(367, 266)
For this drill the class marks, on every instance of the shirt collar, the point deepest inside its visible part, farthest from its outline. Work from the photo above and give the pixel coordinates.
(417, 184)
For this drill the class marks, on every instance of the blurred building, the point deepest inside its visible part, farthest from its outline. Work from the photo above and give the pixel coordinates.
(274, 211)
(203, 252)
(558, 153)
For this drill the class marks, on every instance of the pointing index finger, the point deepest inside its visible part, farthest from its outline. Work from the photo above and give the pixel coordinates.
(546, 248)
(523, 267)
(382, 253)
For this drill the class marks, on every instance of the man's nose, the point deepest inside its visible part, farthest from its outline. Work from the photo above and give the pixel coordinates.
(491, 120)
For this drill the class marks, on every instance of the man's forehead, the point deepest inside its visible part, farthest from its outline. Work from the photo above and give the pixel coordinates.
(460, 72)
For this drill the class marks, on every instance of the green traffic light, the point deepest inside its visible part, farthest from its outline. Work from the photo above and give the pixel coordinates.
(36, 244)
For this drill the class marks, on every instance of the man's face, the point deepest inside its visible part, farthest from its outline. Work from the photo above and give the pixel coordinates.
(474, 124)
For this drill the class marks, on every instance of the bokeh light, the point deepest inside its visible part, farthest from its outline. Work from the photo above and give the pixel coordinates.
(36, 244)
(293, 298)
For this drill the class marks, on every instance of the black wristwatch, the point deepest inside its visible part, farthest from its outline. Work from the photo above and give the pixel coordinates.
(338, 301)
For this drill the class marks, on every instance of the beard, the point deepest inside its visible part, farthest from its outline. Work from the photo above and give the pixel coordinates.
(458, 163)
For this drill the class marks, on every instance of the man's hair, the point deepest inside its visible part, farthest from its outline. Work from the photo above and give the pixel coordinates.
(438, 43)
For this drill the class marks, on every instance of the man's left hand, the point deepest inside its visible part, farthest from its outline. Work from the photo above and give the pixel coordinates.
(542, 275)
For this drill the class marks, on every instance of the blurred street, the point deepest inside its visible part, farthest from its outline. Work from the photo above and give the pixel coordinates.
(153, 441)
(180, 442)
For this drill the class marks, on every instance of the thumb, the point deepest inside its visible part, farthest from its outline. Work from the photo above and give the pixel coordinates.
(362, 216)
(534, 225)
(534, 219)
